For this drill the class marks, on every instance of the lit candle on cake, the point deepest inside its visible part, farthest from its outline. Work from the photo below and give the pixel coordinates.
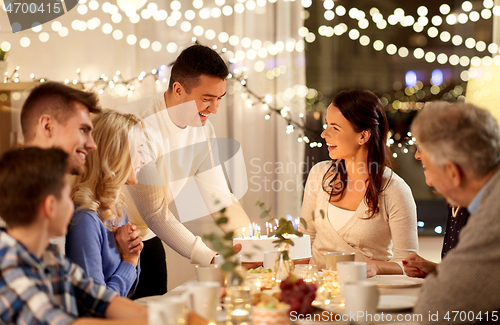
(243, 233)
(267, 228)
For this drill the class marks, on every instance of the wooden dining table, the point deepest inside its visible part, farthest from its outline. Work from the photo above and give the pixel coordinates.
(398, 316)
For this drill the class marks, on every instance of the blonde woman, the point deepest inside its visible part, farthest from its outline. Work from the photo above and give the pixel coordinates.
(100, 239)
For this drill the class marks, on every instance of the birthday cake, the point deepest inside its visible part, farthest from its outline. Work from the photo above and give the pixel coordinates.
(253, 248)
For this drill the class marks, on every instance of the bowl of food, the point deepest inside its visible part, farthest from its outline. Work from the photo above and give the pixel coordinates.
(260, 278)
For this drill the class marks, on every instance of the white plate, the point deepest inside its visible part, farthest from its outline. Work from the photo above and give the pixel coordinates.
(395, 281)
(395, 302)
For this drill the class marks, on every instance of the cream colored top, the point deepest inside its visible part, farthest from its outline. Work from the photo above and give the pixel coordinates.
(391, 233)
(338, 217)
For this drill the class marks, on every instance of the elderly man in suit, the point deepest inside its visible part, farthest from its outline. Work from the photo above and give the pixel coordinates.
(459, 147)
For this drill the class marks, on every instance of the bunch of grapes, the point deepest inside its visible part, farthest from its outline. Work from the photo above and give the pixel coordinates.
(298, 294)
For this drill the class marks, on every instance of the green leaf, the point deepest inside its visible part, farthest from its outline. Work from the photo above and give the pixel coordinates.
(284, 240)
(280, 232)
(218, 246)
(285, 256)
(227, 266)
(264, 214)
(229, 236)
(217, 202)
(210, 237)
(226, 252)
(304, 223)
(221, 221)
(289, 228)
(322, 214)
(223, 210)
(256, 247)
(262, 204)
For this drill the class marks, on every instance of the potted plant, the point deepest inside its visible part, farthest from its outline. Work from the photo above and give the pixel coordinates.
(237, 300)
(283, 266)
(223, 245)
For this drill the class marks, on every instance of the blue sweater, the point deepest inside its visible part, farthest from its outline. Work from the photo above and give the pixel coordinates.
(93, 247)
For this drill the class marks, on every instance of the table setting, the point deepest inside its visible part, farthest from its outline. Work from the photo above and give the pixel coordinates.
(269, 283)
(308, 296)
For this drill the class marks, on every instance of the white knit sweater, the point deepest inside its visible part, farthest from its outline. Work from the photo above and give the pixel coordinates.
(178, 161)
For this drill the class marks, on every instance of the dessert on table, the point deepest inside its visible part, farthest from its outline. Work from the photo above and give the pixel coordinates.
(254, 244)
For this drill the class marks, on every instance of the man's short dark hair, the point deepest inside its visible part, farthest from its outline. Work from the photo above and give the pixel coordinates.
(27, 177)
(56, 100)
(195, 61)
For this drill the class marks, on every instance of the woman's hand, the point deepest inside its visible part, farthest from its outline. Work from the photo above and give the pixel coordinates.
(371, 269)
(129, 243)
(379, 268)
(417, 266)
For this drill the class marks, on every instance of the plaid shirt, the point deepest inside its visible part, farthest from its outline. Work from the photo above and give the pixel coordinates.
(49, 291)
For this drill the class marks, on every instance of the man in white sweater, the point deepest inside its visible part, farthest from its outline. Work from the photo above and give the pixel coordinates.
(459, 148)
(183, 149)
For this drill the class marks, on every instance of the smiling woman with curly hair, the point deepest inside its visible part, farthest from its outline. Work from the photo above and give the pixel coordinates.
(100, 238)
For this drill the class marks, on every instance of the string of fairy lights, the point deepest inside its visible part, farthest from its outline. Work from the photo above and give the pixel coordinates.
(124, 87)
(291, 44)
(254, 46)
(258, 50)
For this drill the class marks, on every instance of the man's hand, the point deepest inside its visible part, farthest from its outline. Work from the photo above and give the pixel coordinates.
(129, 243)
(416, 266)
(237, 248)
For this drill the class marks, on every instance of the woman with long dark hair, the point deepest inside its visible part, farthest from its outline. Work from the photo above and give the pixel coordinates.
(355, 202)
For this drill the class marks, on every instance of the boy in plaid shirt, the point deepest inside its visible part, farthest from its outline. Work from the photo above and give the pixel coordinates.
(38, 285)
